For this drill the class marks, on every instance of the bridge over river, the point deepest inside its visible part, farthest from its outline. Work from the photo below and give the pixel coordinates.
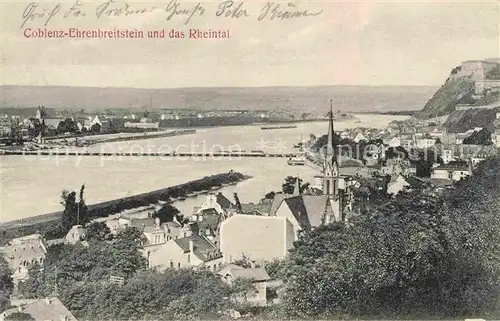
(147, 154)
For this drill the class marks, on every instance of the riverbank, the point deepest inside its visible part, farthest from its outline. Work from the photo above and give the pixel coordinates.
(146, 135)
(81, 140)
(43, 178)
(45, 222)
(118, 137)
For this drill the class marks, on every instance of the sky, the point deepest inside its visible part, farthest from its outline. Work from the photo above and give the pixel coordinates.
(373, 43)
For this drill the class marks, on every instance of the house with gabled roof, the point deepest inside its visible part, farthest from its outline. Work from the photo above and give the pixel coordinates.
(257, 296)
(219, 202)
(190, 250)
(208, 224)
(48, 309)
(23, 252)
(397, 184)
(304, 211)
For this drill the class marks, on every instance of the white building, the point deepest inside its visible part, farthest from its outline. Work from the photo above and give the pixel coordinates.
(141, 125)
(447, 156)
(395, 142)
(424, 143)
(259, 238)
(454, 173)
(359, 137)
(190, 251)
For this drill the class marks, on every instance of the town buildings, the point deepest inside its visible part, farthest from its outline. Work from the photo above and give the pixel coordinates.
(268, 237)
(47, 309)
(187, 250)
(450, 172)
(23, 252)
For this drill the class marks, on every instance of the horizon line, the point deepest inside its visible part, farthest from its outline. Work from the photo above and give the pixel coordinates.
(216, 87)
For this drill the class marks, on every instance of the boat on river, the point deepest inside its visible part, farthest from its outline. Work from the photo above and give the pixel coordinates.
(296, 161)
(278, 127)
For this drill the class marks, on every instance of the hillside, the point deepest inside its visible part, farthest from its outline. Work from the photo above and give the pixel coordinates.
(463, 120)
(307, 99)
(445, 99)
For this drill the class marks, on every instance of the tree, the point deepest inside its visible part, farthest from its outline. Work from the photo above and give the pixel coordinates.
(288, 185)
(35, 130)
(321, 142)
(74, 213)
(493, 73)
(167, 213)
(425, 162)
(98, 231)
(95, 129)
(270, 195)
(125, 253)
(419, 254)
(33, 287)
(67, 126)
(482, 137)
(6, 285)
(240, 289)
(244, 262)
(19, 316)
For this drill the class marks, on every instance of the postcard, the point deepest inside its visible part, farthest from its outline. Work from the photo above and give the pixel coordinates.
(226, 159)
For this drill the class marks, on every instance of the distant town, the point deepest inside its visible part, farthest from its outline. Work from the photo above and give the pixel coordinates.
(50, 125)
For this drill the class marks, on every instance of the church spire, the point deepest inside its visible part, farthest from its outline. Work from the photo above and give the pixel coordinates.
(330, 157)
(330, 145)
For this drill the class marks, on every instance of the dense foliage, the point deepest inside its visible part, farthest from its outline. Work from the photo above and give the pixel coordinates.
(493, 73)
(19, 316)
(289, 183)
(98, 231)
(482, 137)
(96, 263)
(80, 277)
(67, 126)
(6, 285)
(418, 255)
(75, 213)
(168, 213)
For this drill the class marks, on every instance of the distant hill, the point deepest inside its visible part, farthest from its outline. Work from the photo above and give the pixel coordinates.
(474, 83)
(445, 99)
(310, 99)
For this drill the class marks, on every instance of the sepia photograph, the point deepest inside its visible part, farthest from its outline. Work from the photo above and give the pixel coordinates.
(249, 160)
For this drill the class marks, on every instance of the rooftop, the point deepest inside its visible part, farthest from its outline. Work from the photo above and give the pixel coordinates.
(255, 274)
(45, 309)
(202, 247)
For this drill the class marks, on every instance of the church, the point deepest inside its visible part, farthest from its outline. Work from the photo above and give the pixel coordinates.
(334, 201)
(267, 237)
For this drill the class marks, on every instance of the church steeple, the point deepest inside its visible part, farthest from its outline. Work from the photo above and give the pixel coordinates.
(330, 166)
(333, 183)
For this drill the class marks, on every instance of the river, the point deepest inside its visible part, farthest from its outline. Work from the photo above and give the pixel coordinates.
(32, 185)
